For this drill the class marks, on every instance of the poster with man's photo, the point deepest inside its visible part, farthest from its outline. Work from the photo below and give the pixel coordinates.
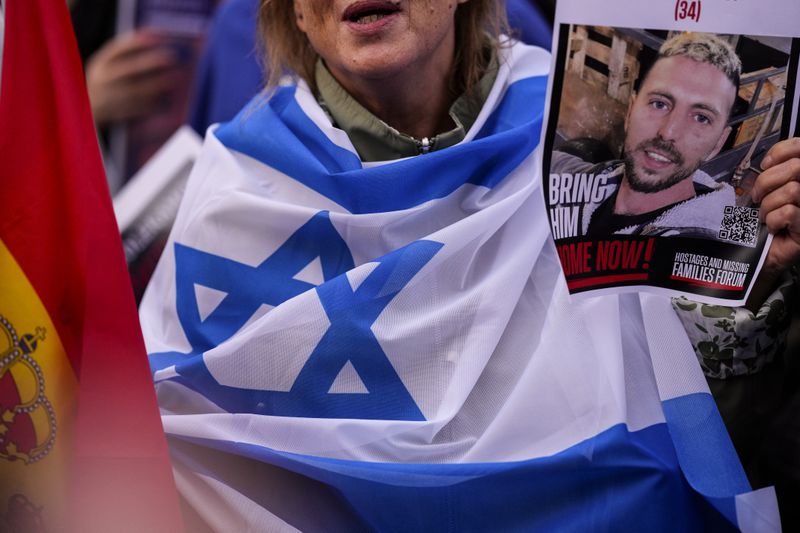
(658, 122)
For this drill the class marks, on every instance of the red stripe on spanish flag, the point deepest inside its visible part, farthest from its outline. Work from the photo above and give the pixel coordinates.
(81, 443)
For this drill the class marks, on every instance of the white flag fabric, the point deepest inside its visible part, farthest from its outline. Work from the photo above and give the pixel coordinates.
(347, 346)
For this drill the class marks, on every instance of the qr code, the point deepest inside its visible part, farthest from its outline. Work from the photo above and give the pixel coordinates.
(740, 225)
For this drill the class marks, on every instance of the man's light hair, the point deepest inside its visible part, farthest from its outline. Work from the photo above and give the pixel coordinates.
(705, 48)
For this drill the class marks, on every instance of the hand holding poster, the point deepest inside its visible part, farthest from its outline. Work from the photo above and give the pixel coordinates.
(177, 28)
(659, 121)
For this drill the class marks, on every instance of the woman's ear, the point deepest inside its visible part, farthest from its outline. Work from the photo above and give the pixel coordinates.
(299, 16)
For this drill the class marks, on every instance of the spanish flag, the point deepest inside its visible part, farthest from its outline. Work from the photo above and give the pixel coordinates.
(81, 443)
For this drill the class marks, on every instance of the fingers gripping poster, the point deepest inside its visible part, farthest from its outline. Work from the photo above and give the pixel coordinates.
(660, 116)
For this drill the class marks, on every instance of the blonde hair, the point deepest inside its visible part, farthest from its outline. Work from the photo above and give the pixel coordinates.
(705, 48)
(286, 50)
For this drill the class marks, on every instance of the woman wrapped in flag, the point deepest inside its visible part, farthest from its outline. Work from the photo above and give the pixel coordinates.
(360, 322)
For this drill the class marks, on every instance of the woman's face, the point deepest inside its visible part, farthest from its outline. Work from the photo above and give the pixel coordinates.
(373, 40)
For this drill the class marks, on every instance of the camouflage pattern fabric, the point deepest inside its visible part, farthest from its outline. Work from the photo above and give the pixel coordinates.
(733, 341)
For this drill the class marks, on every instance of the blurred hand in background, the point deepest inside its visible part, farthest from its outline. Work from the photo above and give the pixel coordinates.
(129, 75)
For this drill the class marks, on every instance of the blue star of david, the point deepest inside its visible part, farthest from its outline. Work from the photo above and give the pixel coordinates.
(349, 338)
(272, 282)
(247, 288)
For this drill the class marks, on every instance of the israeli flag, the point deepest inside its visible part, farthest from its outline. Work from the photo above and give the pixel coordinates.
(349, 346)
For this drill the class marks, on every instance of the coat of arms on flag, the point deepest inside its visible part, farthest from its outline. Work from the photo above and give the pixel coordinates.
(27, 419)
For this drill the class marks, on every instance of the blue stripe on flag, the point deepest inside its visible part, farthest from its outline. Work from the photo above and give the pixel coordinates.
(705, 451)
(279, 134)
(616, 481)
(517, 107)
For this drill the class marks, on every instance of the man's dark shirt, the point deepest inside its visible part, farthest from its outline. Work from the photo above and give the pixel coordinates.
(605, 222)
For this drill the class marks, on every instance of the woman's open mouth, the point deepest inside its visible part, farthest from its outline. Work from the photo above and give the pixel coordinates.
(370, 14)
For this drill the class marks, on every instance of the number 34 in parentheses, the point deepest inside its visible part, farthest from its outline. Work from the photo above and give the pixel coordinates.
(687, 9)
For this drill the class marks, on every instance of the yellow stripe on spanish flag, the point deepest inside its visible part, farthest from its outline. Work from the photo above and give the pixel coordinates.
(38, 392)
